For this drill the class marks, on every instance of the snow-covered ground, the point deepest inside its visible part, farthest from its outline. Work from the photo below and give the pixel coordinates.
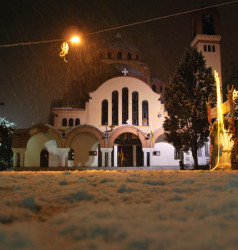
(119, 210)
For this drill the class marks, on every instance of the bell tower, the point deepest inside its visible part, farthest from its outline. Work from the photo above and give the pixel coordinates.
(206, 37)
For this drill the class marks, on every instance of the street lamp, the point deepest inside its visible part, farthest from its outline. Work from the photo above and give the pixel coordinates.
(65, 46)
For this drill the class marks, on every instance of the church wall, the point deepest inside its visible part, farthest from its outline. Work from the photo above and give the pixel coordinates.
(145, 93)
(60, 115)
(166, 155)
(34, 146)
(82, 144)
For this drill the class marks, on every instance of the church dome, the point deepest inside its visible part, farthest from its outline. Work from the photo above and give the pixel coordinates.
(120, 49)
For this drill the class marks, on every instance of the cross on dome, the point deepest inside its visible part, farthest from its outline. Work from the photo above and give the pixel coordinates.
(125, 72)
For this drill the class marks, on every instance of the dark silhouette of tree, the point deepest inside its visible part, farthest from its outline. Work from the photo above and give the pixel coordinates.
(186, 125)
(5, 142)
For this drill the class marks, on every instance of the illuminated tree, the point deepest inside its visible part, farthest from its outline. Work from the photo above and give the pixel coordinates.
(186, 125)
(5, 142)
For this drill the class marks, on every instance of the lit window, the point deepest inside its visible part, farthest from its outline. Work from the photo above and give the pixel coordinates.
(145, 115)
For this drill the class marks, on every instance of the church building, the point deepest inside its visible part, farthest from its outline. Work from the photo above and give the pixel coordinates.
(120, 122)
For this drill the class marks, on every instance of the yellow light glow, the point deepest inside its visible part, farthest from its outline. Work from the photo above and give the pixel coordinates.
(64, 50)
(75, 39)
(235, 95)
(223, 136)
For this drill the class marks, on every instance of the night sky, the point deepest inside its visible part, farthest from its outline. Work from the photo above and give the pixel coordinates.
(32, 76)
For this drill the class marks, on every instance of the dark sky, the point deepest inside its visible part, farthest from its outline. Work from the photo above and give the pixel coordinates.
(32, 76)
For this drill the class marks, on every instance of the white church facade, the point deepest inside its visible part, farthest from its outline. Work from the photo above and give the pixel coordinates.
(121, 124)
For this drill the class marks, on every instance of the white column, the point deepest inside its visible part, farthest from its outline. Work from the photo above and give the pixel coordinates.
(21, 151)
(63, 155)
(109, 158)
(14, 159)
(115, 155)
(22, 159)
(134, 155)
(103, 159)
(145, 151)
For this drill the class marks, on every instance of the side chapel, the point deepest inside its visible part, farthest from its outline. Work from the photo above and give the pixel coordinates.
(120, 123)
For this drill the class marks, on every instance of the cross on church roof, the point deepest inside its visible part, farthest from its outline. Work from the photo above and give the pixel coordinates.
(125, 71)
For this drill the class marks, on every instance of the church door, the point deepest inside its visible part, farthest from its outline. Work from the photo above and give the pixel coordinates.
(129, 150)
(44, 158)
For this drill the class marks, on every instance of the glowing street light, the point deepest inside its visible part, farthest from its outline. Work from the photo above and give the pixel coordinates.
(75, 39)
(65, 46)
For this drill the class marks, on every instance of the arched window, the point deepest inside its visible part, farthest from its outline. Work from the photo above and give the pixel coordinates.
(77, 121)
(124, 105)
(129, 56)
(208, 24)
(44, 158)
(71, 122)
(104, 112)
(119, 55)
(135, 108)
(64, 122)
(114, 108)
(71, 155)
(145, 115)
(154, 87)
(109, 55)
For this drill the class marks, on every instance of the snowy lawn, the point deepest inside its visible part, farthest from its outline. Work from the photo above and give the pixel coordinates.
(119, 210)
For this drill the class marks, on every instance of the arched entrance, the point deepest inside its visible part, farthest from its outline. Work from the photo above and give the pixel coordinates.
(129, 150)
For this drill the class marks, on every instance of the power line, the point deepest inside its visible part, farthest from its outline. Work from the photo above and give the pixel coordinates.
(124, 26)
(160, 18)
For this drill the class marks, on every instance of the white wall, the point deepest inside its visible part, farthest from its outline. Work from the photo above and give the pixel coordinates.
(117, 84)
(166, 157)
(34, 146)
(82, 144)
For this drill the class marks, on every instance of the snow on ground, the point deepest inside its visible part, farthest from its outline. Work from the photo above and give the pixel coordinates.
(119, 210)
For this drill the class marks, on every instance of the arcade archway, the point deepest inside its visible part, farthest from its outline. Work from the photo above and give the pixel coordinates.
(128, 150)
